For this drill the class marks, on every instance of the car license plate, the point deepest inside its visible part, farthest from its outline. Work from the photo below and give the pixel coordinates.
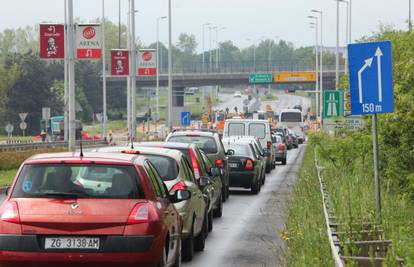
(233, 165)
(71, 243)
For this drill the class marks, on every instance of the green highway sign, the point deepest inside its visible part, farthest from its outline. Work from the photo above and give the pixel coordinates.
(332, 103)
(260, 77)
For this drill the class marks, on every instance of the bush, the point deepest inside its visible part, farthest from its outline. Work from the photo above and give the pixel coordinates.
(13, 159)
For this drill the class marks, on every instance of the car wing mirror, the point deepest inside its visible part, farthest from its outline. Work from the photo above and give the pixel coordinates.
(204, 181)
(180, 195)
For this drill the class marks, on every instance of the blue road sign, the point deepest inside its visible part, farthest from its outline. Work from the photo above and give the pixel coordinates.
(185, 119)
(370, 78)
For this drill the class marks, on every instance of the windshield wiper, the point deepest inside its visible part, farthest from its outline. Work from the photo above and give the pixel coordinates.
(62, 194)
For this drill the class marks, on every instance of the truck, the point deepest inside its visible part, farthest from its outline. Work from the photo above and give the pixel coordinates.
(54, 127)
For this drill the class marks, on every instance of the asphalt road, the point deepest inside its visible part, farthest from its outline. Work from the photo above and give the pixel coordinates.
(284, 101)
(248, 234)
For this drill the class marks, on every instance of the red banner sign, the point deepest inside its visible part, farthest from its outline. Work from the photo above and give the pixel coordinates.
(147, 64)
(119, 62)
(88, 41)
(52, 41)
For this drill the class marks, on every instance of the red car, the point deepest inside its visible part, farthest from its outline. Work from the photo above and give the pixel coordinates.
(94, 210)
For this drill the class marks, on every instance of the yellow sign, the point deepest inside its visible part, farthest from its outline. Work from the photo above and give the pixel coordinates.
(204, 118)
(286, 77)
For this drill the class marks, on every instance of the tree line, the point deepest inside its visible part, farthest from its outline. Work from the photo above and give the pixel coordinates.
(27, 83)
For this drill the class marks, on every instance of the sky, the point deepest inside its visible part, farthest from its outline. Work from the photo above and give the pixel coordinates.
(245, 22)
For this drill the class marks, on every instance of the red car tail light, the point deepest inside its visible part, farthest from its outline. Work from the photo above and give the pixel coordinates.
(194, 163)
(143, 213)
(10, 212)
(219, 163)
(282, 147)
(269, 148)
(179, 186)
(249, 165)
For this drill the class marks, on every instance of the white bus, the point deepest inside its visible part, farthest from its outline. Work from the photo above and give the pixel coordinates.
(292, 119)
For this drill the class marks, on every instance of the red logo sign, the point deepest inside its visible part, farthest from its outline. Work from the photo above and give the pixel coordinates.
(89, 32)
(119, 62)
(147, 56)
(52, 41)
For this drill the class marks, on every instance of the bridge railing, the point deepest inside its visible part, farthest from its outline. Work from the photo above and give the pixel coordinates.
(246, 67)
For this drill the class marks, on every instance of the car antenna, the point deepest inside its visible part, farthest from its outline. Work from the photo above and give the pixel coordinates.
(81, 147)
(132, 142)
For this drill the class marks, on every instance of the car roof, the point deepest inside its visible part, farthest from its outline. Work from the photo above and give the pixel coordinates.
(246, 120)
(144, 150)
(171, 145)
(96, 157)
(290, 110)
(195, 132)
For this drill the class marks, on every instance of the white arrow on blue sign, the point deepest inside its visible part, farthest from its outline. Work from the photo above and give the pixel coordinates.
(185, 119)
(370, 78)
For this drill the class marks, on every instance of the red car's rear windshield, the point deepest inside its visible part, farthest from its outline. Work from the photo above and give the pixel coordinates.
(78, 181)
(205, 143)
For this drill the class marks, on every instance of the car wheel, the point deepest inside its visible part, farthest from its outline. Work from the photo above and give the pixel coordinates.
(268, 168)
(218, 212)
(255, 188)
(284, 161)
(210, 221)
(228, 191)
(263, 179)
(188, 245)
(163, 258)
(177, 262)
(223, 193)
(200, 240)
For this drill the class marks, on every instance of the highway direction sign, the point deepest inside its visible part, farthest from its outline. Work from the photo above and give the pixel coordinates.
(332, 103)
(286, 77)
(185, 118)
(260, 78)
(370, 82)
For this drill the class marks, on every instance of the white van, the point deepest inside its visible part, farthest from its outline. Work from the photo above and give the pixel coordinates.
(256, 128)
(292, 119)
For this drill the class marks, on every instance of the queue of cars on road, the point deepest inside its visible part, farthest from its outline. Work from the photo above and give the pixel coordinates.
(144, 204)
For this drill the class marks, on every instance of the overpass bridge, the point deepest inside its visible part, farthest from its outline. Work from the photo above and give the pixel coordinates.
(225, 75)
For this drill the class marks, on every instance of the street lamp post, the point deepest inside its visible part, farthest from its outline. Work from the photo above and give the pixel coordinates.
(203, 45)
(347, 31)
(218, 46)
(337, 47)
(320, 12)
(132, 67)
(170, 110)
(158, 65)
(315, 26)
(211, 46)
(104, 111)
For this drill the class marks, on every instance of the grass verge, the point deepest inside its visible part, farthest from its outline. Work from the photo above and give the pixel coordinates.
(268, 98)
(305, 234)
(6, 177)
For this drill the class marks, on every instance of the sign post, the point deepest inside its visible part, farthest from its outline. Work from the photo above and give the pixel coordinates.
(119, 62)
(23, 124)
(371, 87)
(52, 41)
(9, 129)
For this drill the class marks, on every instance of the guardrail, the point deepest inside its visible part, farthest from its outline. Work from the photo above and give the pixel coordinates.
(42, 145)
(371, 248)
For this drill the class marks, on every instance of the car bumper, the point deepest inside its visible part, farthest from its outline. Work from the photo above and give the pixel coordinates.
(241, 178)
(28, 250)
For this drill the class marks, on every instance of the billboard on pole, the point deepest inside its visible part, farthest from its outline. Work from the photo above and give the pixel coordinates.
(88, 41)
(119, 62)
(147, 62)
(52, 41)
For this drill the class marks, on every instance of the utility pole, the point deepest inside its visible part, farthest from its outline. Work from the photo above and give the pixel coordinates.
(132, 69)
(104, 111)
(71, 77)
(158, 65)
(410, 25)
(170, 88)
(66, 94)
(315, 26)
(320, 12)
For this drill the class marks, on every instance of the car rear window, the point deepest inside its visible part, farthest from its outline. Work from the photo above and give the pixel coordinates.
(240, 149)
(166, 167)
(257, 130)
(78, 180)
(236, 129)
(205, 143)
